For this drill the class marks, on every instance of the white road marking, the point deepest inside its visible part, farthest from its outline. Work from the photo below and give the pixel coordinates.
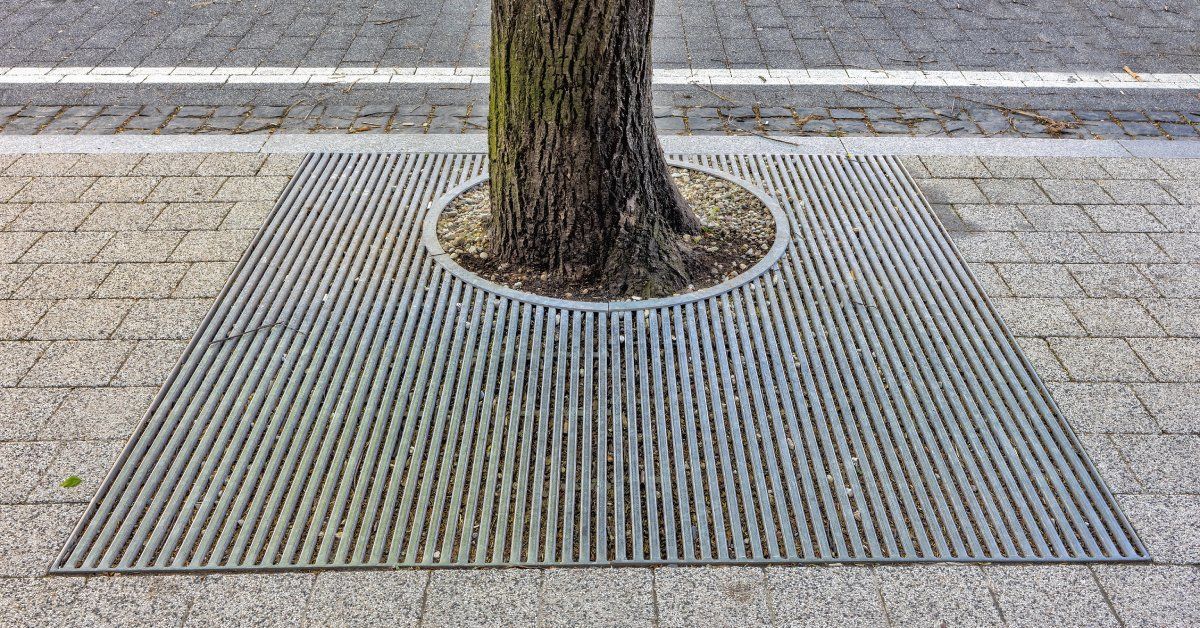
(478, 75)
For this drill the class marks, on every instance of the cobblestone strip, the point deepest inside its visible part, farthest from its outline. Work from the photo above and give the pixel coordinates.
(671, 120)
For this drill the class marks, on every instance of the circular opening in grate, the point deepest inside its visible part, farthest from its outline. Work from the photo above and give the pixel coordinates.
(432, 242)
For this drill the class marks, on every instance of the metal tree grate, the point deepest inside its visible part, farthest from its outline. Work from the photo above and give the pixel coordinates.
(349, 401)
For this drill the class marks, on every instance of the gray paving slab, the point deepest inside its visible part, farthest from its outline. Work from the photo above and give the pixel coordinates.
(1153, 595)
(932, 595)
(259, 599)
(712, 596)
(825, 596)
(501, 597)
(1042, 595)
(366, 598)
(597, 597)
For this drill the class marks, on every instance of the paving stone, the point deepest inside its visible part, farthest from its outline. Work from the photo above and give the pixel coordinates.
(1124, 218)
(96, 413)
(711, 596)
(1059, 217)
(1012, 191)
(1123, 168)
(37, 601)
(16, 357)
(1175, 280)
(1022, 167)
(481, 598)
(1112, 280)
(1170, 359)
(12, 276)
(1163, 463)
(1038, 317)
(1043, 595)
(1173, 406)
(992, 217)
(955, 166)
(150, 363)
(191, 216)
(212, 246)
(597, 597)
(32, 534)
(142, 280)
(14, 245)
(1044, 362)
(186, 189)
(1153, 595)
(825, 596)
(122, 216)
(954, 191)
(1074, 167)
(107, 164)
(1166, 524)
(62, 281)
(990, 247)
(989, 280)
(169, 164)
(1135, 192)
(43, 216)
(937, 595)
(280, 164)
(1113, 468)
(1102, 408)
(1039, 280)
(233, 164)
(258, 599)
(124, 600)
(259, 188)
(1114, 317)
(42, 165)
(1180, 247)
(248, 215)
(204, 279)
(1182, 218)
(120, 189)
(66, 247)
(21, 466)
(1099, 359)
(78, 363)
(1057, 246)
(1068, 191)
(54, 190)
(10, 186)
(23, 411)
(1180, 191)
(81, 319)
(1126, 247)
(164, 319)
(367, 598)
(17, 317)
(89, 460)
(141, 246)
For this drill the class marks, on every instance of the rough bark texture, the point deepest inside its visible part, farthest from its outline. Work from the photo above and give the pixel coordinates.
(579, 184)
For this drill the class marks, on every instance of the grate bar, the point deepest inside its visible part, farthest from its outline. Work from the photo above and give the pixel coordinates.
(354, 400)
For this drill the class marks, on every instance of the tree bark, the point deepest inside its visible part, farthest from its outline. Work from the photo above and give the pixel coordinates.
(579, 185)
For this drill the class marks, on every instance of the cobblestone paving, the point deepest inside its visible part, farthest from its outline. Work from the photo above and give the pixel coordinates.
(936, 35)
(717, 118)
(108, 263)
(1148, 35)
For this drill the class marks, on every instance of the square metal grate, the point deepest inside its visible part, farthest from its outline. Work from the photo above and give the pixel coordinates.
(351, 401)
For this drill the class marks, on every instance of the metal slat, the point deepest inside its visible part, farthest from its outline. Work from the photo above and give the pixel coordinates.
(353, 400)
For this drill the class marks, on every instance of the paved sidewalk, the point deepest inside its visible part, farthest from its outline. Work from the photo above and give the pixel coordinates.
(108, 263)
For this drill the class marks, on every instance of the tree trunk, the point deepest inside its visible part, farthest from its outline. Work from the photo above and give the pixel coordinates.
(578, 181)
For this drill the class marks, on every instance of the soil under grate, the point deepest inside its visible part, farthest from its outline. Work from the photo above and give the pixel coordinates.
(352, 401)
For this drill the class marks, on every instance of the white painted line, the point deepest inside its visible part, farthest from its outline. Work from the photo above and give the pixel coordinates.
(704, 144)
(186, 75)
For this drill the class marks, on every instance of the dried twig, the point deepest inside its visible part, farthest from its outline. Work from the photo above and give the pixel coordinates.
(1137, 77)
(714, 93)
(1053, 127)
(396, 20)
